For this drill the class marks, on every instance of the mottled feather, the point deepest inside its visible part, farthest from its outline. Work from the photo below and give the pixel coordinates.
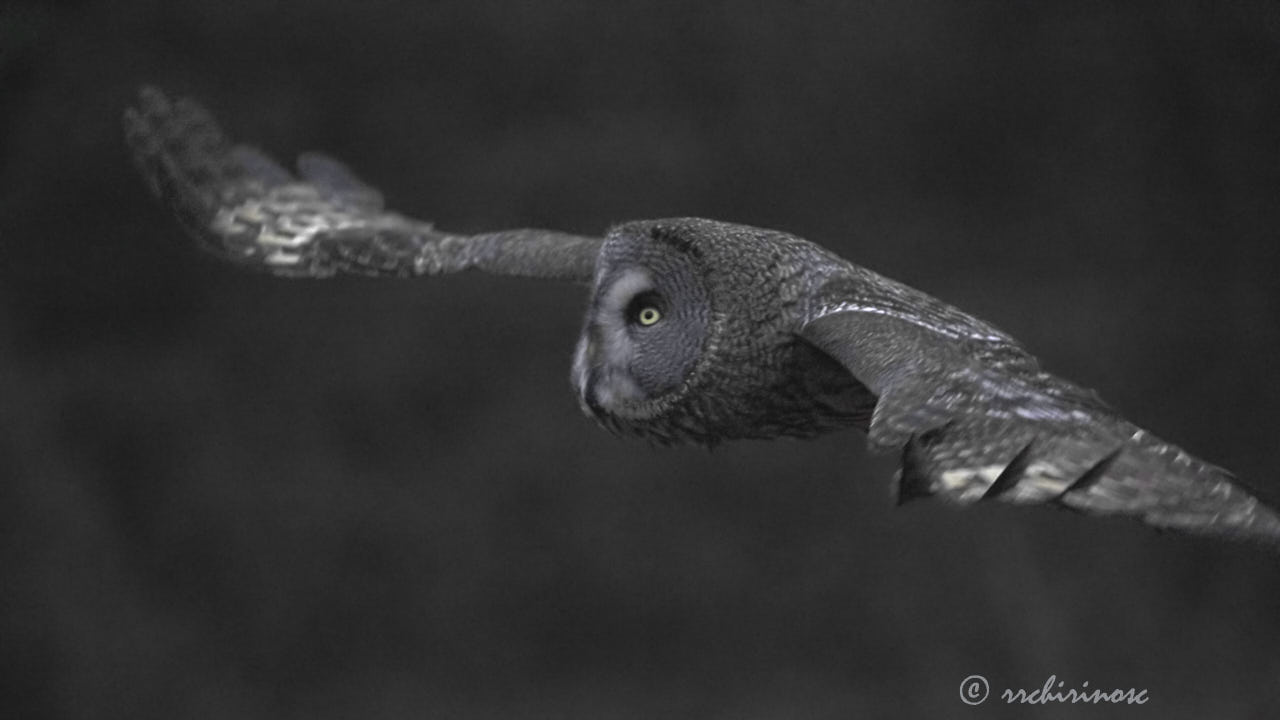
(243, 206)
(971, 430)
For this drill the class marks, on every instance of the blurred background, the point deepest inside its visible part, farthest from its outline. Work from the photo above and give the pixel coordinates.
(228, 495)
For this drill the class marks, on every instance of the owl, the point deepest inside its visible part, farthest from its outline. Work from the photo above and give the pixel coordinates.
(700, 331)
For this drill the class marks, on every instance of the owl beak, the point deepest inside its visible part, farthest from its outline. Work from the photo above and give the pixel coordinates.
(585, 375)
(589, 404)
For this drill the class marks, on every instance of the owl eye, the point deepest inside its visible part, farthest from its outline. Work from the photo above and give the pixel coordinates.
(649, 316)
(644, 310)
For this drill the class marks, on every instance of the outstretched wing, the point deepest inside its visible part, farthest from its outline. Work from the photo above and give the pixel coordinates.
(976, 419)
(242, 206)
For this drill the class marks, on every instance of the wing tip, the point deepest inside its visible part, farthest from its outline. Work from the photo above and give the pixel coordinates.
(1215, 506)
(1012, 473)
(909, 483)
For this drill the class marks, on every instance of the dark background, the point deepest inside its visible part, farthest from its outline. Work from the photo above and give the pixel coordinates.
(228, 495)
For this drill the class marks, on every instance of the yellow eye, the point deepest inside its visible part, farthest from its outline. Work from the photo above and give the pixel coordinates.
(649, 316)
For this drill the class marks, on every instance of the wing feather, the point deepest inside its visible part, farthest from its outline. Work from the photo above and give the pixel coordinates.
(976, 419)
(243, 206)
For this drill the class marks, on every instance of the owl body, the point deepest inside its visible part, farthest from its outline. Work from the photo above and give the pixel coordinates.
(703, 331)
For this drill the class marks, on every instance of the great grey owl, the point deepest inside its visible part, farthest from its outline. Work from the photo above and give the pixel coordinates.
(702, 331)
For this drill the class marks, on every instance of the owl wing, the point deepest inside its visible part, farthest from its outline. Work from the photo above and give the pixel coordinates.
(975, 418)
(244, 207)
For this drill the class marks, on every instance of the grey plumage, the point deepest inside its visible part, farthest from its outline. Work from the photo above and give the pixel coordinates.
(244, 207)
(703, 331)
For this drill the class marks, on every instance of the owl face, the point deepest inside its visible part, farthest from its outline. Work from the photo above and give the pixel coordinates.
(691, 337)
(645, 329)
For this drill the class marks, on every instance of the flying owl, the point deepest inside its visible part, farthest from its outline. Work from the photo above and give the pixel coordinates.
(702, 331)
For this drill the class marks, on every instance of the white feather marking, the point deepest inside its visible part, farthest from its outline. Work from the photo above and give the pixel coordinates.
(877, 310)
(280, 257)
(1039, 482)
(962, 479)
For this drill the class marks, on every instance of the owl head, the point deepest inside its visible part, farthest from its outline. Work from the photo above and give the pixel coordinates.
(691, 335)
